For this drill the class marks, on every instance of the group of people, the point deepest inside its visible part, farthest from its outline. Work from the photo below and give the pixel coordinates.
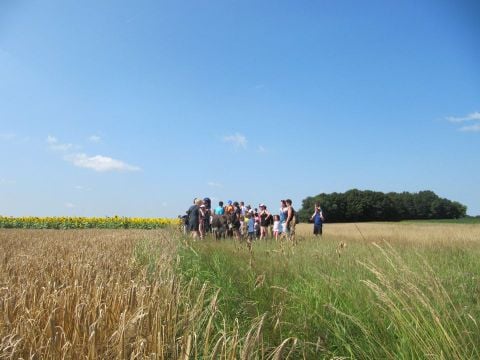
(244, 222)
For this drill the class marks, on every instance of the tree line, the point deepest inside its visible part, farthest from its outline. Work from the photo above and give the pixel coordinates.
(357, 205)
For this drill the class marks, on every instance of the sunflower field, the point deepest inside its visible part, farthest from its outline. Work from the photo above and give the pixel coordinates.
(115, 222)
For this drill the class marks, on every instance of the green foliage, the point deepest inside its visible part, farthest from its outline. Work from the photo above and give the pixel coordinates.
(365, 302)
(356, 205)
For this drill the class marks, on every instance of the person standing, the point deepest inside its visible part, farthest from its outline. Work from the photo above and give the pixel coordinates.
(291, 221)
(317, 219)
(243, 211)
(219, 210)
(208, 215)
(264, 221)
(230, 207)
(250, 226)
(202, 220)
(243, 208)
(283, 217)
(276, 226)
(194, 218)
(235, 218)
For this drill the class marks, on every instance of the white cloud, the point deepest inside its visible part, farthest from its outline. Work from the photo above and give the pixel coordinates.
(475, 116)
(473, 119)
(261, 149)
(238, 140)
(214, 184)
(94, 139)
(55, 145)
(100, 163)
(471, 128)
(69, 205)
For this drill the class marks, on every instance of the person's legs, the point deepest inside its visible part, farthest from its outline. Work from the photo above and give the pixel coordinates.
(283, 230)
(263, 232)
(291, 232)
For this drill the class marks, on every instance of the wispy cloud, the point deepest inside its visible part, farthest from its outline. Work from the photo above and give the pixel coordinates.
(69, 205)
(471, 128)
(99, 163)
(261, 149)
(470, 118)
(214, 184)
(55, 145)
(94, 139)
(475, 116)
(237, 140)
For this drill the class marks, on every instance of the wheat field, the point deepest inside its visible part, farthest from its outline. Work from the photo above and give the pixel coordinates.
(373, 290)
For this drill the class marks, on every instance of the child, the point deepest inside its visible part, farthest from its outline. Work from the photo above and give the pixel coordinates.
(276, 226)
(251, 227)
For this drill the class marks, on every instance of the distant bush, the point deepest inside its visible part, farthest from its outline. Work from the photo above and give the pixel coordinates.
(357, 205)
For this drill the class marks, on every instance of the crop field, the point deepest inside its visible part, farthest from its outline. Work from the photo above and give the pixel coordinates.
(115, 222)
(362, 291)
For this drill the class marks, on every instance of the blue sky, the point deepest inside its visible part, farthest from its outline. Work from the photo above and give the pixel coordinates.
(134, 108)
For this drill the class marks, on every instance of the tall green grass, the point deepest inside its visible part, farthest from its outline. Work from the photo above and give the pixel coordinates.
(364, 301)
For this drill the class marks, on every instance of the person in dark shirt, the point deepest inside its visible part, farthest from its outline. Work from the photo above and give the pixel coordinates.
(194, 218)
(317, 219)
(291, 221)
(264, 221)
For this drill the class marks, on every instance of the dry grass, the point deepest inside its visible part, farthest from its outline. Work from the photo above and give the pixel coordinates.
(115, 294)
(420, 234)
(87, 294)
(109, 294)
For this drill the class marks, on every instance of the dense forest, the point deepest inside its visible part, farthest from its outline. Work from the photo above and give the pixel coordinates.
(357, 205)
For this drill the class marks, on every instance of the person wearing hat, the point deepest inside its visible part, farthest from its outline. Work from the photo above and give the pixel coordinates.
(229, 208)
